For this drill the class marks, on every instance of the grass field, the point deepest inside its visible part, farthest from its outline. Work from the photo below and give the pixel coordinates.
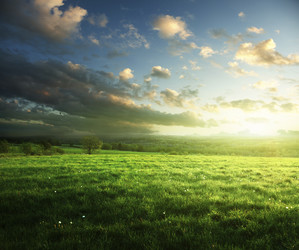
(148, 201)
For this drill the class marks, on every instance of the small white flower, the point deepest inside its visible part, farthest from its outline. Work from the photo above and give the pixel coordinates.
(71, 222)
(59, 222)
(164, 212)
(83, 216)
(287, 207)
(55, 191)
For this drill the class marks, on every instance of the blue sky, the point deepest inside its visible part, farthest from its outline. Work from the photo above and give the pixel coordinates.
(166, 67)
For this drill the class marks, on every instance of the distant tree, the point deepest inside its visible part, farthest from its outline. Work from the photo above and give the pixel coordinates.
(4, 146)
(107, 146)
(46, 145)
(27, 148)
(91, 143)
(140, 148)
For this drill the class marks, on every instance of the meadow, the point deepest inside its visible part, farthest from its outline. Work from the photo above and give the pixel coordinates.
(133, 200)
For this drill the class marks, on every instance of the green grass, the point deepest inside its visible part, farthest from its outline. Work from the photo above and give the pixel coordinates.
(148, 201)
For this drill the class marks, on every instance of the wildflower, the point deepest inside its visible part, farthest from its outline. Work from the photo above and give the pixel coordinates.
(59, 222)
(164, 212)
(71, 222)
(83, 216)
(55, 191)
(287, 207)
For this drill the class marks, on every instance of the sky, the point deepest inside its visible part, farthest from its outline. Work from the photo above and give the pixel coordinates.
(184, 67)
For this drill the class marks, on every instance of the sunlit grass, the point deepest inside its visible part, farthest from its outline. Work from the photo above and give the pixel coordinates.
(148, 201)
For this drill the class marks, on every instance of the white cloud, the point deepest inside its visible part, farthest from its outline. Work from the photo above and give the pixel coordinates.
(74, 66)
(277, 31)
(241, 14)
(181, 77)
(125, 75)
(147, 79)
(264, 54)
(271, 86)
(94, 40)
(194, 65)
(185, 67)
(160, 72)
(52, 22)
(255, 30)
(206, 51)
(169, 26)
(235, 70)
(100, 20)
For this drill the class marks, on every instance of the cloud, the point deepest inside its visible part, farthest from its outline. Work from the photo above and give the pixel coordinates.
(115, 53)
(255, 30)
(206, 51)
(126, 75)
(44, 17)
(211, 108)
(264, 54)
(184, 99)
(181, 77)
(100, 20)
(93, 40)
(169, 27)
(172, 98)
(158, 71)
(194, 65)
(257, 120)
(231, 40)
(133, 39)
(55, 98)
(177, 48)
(289, 107)
(241, 14)
(235, 71)
(270, 86)
(147, 79)
(246, 105)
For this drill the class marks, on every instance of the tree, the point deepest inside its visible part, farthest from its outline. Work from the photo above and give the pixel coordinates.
(27, 148)
(4, 146)
(91, 143)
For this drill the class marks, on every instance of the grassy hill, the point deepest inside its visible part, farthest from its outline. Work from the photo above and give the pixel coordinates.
(148, 201)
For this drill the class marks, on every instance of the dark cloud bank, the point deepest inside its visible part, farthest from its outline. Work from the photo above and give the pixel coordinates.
(55, 98)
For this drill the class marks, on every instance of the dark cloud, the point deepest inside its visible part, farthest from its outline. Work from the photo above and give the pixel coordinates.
(44, 18)
(52, 95)
(115, 53)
